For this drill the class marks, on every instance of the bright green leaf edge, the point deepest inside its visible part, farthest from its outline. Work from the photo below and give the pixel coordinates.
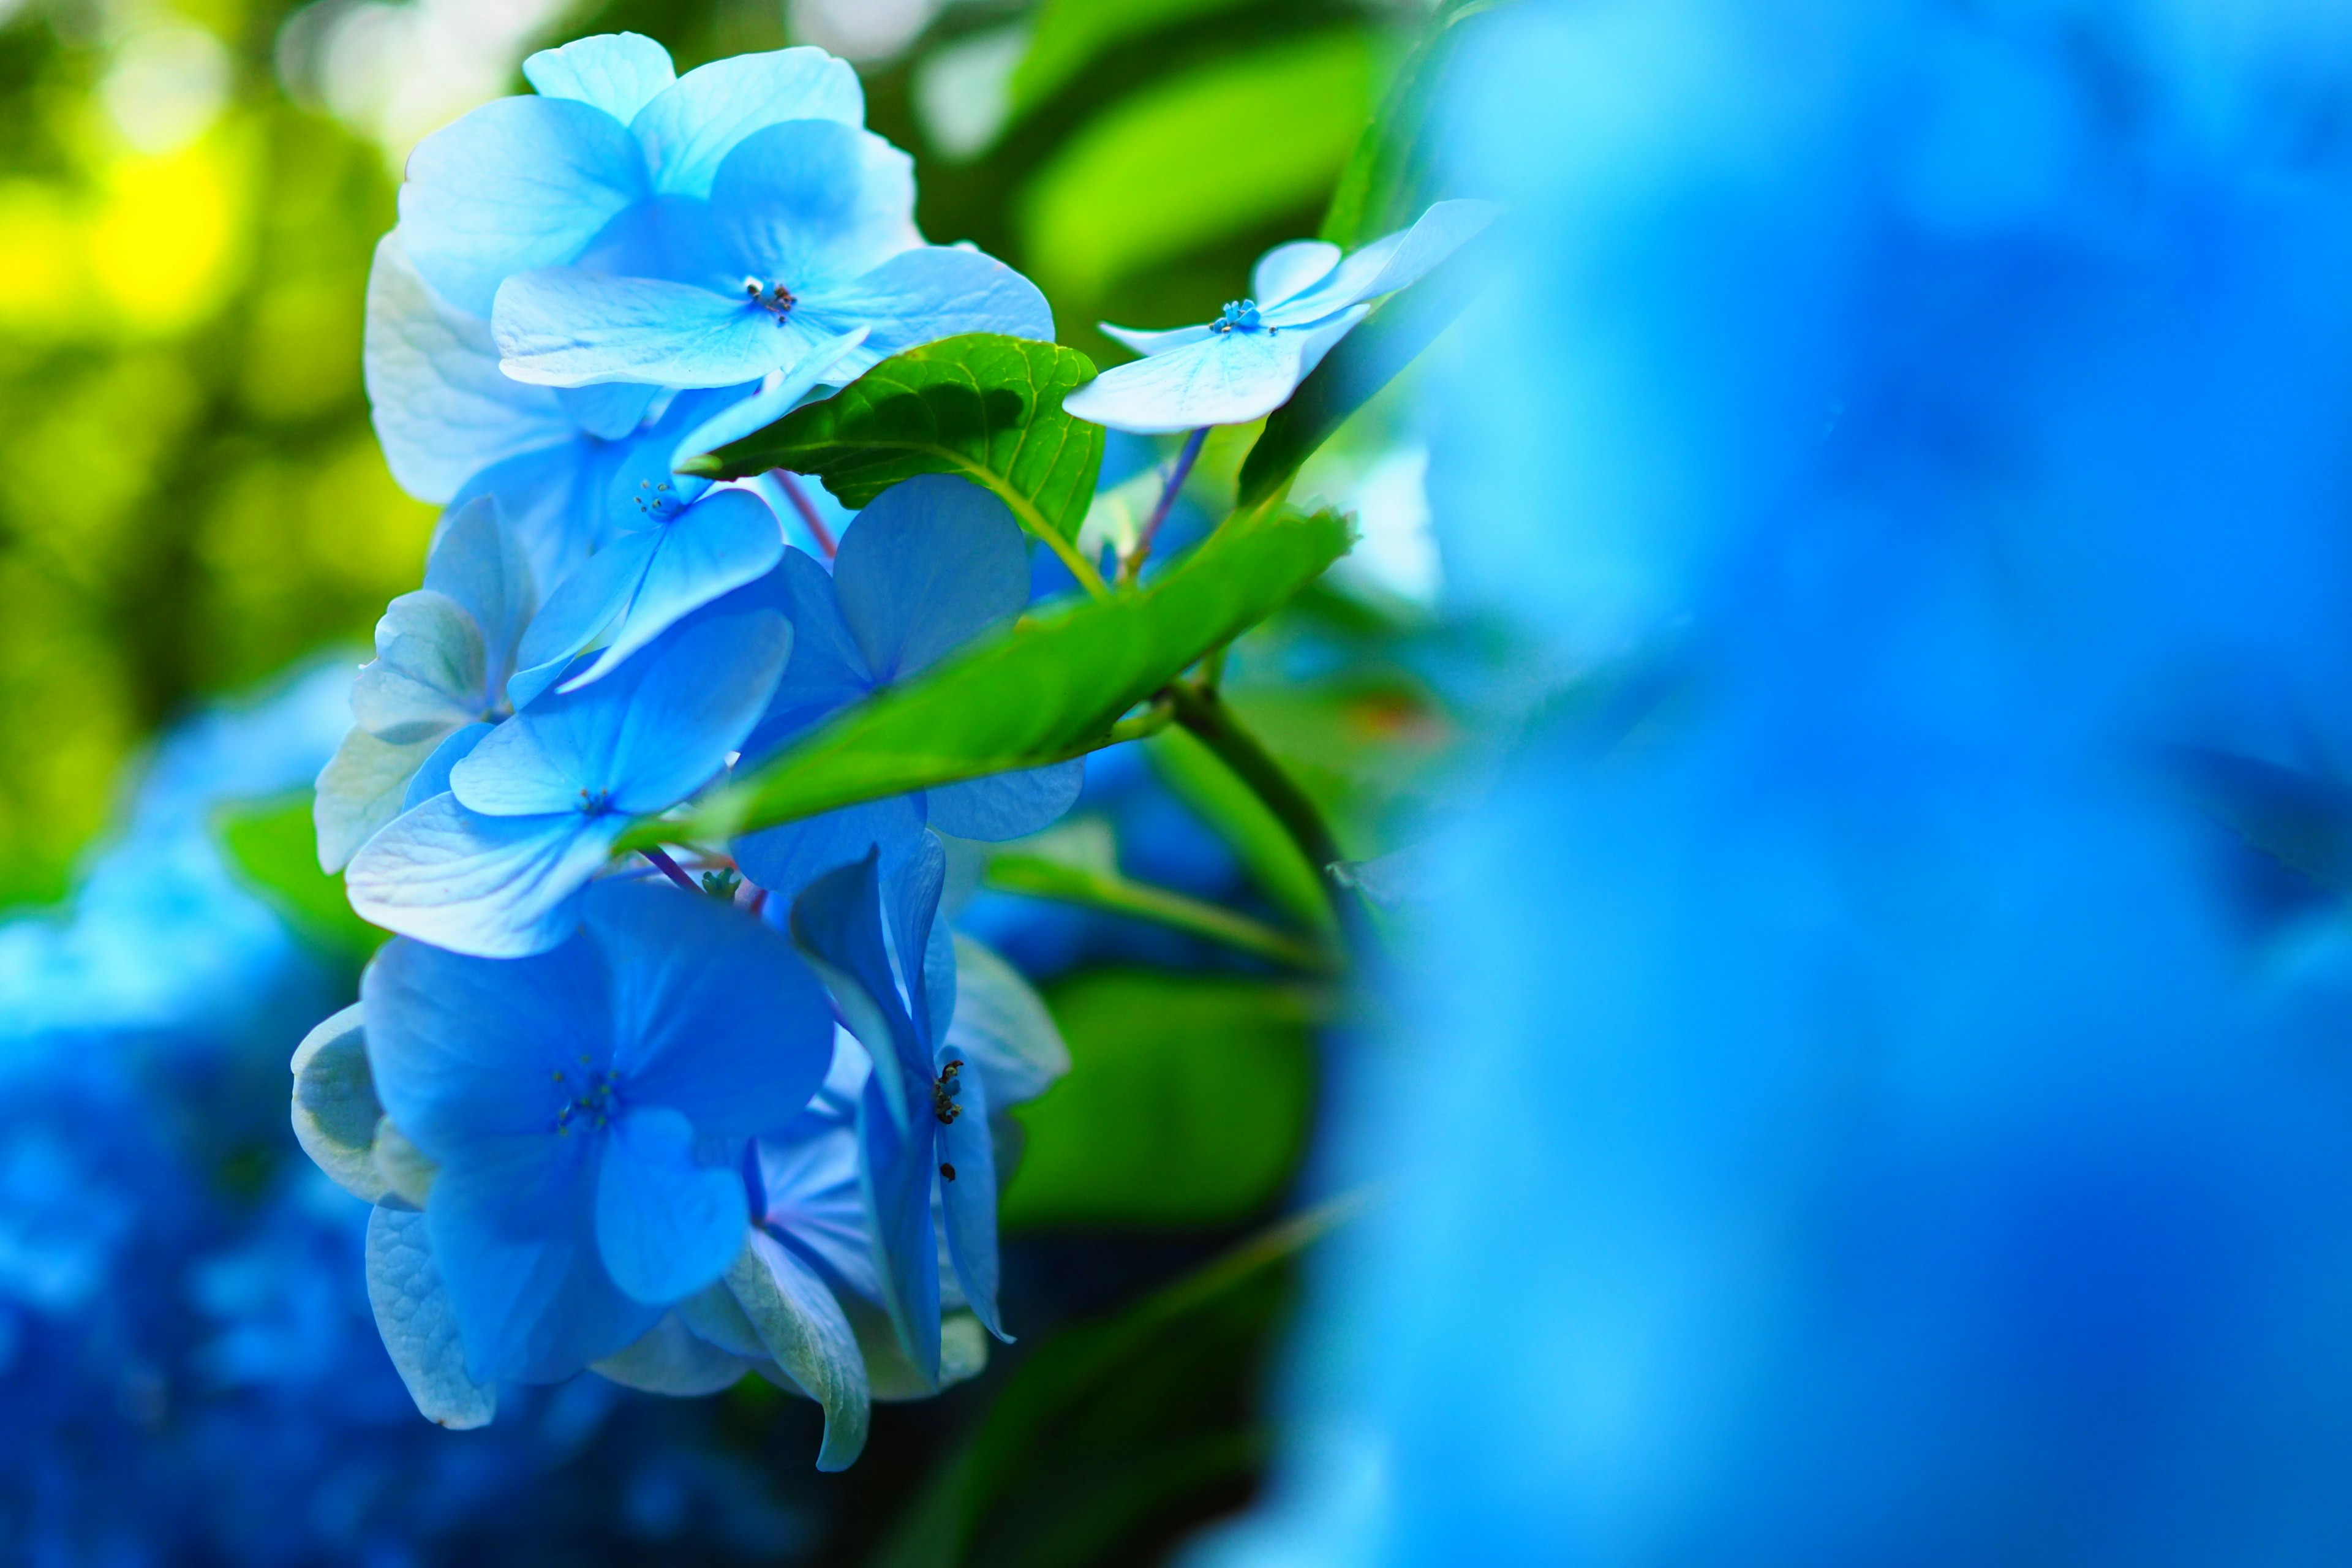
(1044, 878)
(1050, 690)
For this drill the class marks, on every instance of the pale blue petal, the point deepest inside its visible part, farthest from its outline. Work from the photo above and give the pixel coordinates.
(777, 397)
(814, 205)
(479, 560)
(719, 543)
(583, 608)
(941, 991)
(718, 1018)
(608, 410)
(517, 1249)
(520, 183)
(802, 1327)
(363, 787)
(1288, 269)
(968, 1198)
(1003, 1027)
(837, 921)
(419, 1326)
(554, 501)
(827, 670)
(619, 73)
(1229, 378)
(674, 1360)
(1007, 805)
(442, 407)
(787, 858)
(665, 1225)
(931, 563)
(427, 676)
(690, 128)
(918, 297)
(675, 238)
(565, 326)
(433, 778)
(1388, 264)
(1144, 342)
(895, 1178)
(501, 886)
(812, 1199)
(910, 904)
(467, 1049)
(706, 683)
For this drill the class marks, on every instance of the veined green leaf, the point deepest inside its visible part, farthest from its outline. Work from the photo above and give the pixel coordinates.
(986, 407)
(1186, 1103)
(1049, 690)
(273, 847)
(1392, 175)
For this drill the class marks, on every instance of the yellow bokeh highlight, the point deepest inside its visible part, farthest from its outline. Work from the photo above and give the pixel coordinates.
(163, 241)
(41, 245)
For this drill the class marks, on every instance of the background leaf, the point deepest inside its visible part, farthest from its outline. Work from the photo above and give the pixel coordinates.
(986, 407)
(1186, 1102)
(1049, 689)
(1066, 35)
(273, 847)
(1263, 845)
(1394, 171)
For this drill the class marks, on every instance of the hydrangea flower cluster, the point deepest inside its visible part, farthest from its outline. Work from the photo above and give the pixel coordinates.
(612, 1116)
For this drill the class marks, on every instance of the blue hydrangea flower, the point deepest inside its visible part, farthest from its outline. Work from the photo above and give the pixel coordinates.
(930, 564)
(590, 1108)
(1246, 365)
(496, 864)
(443, 655)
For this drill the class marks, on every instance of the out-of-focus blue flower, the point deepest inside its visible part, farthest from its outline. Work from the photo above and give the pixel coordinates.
(1903, 415)
(495, 865)
(930, 564)
(589, 1108)
(1246, 365)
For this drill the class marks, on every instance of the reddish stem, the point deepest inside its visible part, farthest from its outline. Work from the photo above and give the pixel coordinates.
(807, 509)
(669, 867)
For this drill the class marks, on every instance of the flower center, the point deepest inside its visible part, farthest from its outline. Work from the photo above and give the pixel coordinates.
(595, 802)
(657, 501)
(1241, 316)
(592, 1101)
(773, 297)
(944, 1096)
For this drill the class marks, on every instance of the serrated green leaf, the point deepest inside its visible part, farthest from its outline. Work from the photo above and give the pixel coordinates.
(1394, 173)
(984, 407)
(1367, 359)
(273, 847)
(1186, 1102)
(1050, 690)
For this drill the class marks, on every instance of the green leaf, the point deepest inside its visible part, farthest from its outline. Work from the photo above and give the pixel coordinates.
(1117, 1436)
(1068, 34)
(1266, 848)
(1042, 877)
(1049, 690)
(1218, 150)
(1367, 359)
(273, 847)
(1186, 1103)
(986, 407)
(1394, 171)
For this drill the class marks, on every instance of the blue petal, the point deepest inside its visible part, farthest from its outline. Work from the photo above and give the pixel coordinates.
(363, 787)
(520, 183)
(516, 1243)
(896, 1178)
(1229, 378)
(805, 1330)
(827, 670)
(910, 903)
(552, 500)
(814, 1202)
(719, 543)
(433, 778)
(1150, 342)
(837, 921)
(1388, 264)
(479, 560)
(419, 1329)
(619, 73)
(467, 1049)
(968, 1198)
(814, 205)
(930, 564)
(583, 607)
(428, 673)
(565, 326)
(608, 410)
(499, 886)
(705, 685)
(1287, 269)
(665, 1225)
(675, 1360)
(442, 407)
(787, 858)
(690, 128)
(1003, 1027)
(1009, 805)
(777, 397)
(921, 296)
(714, 1015)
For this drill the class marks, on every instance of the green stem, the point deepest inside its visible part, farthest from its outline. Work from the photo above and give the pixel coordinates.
(1206, 715)
(1031, 519)
(1040, 877)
